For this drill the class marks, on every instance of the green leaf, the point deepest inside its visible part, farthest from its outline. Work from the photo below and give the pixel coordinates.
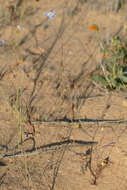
(110, 68)
(114, 83)
(124, 79)
(100, 79)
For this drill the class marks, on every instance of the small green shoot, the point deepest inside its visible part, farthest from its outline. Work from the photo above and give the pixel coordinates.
(114, 65)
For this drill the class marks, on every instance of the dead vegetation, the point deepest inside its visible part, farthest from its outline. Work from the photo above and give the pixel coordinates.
(59, 129)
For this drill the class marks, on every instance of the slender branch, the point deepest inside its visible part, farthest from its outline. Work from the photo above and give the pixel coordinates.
(52, 147)
(80, 121)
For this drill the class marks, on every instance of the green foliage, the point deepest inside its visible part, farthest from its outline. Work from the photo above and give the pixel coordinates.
(114, 65)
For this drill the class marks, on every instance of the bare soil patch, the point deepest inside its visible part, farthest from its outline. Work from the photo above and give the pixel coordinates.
(45, 75)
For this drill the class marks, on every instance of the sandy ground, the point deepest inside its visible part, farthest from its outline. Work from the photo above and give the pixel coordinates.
(48, 65)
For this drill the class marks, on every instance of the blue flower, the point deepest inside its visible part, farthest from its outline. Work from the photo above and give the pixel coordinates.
(50, 14)
(26, 134)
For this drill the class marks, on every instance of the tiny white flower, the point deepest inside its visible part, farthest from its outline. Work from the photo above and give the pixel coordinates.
(2, 42)
(19, 28)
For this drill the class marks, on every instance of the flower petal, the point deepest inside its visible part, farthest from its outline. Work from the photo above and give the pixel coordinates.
(2, 42)
(94, 27)
(50, 14)
(50, 17)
